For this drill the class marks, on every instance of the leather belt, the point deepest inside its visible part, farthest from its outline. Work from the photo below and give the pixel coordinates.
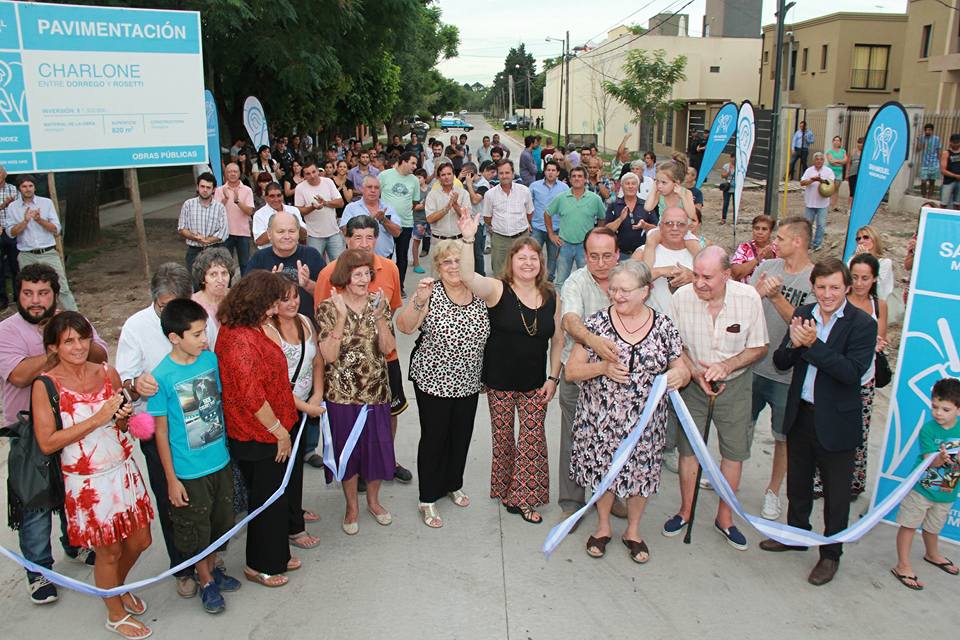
(40, 251)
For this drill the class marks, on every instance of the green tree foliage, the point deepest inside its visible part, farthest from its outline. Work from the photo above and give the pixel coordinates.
(647, 84)
(521, 65)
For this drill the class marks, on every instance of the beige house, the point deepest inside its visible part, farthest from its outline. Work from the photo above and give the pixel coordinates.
(863, 59)
(842, 58)
(718, 70)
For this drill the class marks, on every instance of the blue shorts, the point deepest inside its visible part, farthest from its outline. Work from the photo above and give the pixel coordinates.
(421, 230)
(930, 173)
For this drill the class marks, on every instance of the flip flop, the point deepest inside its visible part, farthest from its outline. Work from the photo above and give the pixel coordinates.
(944, 566)
(114, 627)
(294, 563)
(635, 549)
(597, 547)
(310, 516)
(139, 606)
(298, 541)
(903, 580)
(265, 579)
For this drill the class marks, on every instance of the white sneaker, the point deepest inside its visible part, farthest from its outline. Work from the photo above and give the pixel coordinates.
(671, 460)
(771, 506)
(705, 484)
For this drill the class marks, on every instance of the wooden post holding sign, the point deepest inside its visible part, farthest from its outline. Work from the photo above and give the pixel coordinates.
(134, 183)
(52, 188)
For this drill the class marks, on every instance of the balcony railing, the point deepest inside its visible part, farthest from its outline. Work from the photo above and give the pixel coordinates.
(868, 79)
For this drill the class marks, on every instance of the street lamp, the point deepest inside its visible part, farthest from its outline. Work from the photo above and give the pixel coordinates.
(563, 61)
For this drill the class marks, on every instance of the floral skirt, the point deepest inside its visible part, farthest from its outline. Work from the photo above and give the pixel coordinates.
(107, 507)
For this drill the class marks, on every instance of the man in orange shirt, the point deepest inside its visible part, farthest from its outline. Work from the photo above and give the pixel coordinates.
(362, 234)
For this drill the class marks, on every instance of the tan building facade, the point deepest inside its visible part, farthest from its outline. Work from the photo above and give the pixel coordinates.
(717, 70)
(847, 58)
(931, 61)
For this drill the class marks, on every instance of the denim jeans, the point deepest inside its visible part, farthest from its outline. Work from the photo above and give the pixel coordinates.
(950, 194)
(818, 218)
(478, 244)
(241, 245)
(727, 199)
(552, 251)
(333, 246)
(34, 534)
(569, 253)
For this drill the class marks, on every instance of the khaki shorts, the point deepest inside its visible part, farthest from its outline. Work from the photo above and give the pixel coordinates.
(731, 417)
(919, 511)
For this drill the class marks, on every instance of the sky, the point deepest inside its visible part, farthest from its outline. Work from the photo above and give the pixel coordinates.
(490, 27)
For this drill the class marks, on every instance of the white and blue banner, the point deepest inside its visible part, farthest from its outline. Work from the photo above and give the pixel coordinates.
(255, 122)
(723, 127)
(884, 152)
(86, 88)
(928, 349)
(213, 135)
(746, 135)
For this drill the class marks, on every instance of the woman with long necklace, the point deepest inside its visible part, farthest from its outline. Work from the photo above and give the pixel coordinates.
(524, 323)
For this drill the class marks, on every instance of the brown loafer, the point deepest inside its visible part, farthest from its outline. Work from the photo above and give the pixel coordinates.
(775, 546)
(823, 572)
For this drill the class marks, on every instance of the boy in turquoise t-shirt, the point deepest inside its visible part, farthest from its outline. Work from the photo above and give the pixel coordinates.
(929, 504)
(192, 443)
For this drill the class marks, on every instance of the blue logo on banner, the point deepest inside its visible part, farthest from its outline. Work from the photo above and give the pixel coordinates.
(884, 151)
(928, 350)
(213, 136)
(255, 122)
(723, 127)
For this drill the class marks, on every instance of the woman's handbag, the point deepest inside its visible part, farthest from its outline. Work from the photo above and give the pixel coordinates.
(34, 478)
(883, 374)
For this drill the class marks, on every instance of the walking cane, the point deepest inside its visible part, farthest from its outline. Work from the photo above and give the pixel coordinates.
(696, 487)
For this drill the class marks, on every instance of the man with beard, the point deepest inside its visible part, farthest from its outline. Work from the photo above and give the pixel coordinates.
(362, 170)
(203, 220)
(22, 359)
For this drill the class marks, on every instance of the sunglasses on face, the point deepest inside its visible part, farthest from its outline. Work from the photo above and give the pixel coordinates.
(859, 238)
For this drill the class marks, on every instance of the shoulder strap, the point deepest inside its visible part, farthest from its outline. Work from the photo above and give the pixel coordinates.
(303, 351)
(876, 306)
(54, 396)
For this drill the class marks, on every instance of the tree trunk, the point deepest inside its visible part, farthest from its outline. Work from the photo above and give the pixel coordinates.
(80, 190)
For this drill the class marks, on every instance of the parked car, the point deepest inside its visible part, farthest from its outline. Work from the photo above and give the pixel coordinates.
(517, 122)
(415, 125)
(463, 112)
(447, 123)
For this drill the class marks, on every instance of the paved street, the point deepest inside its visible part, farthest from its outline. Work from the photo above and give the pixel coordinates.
(482, 575)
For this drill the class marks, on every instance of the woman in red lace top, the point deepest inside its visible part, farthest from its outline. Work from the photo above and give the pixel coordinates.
(259, 410)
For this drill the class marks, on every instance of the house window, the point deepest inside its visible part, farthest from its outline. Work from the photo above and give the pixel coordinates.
(806, 56)
(714, 69)
(926, 38)
(668, 140)
(823, 58)
(868, 68)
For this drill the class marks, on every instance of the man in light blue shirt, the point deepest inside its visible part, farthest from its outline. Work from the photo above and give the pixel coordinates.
(823, 334)
(543, 192)
(800, 146)
(371, 205)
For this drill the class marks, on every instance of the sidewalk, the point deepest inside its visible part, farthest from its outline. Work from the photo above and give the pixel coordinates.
(162, 205)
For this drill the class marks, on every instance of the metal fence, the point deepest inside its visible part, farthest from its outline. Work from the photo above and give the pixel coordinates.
(944, 124)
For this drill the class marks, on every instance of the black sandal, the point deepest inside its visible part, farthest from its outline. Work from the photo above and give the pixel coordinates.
(635, 549)
(526, 513)
(597, 547)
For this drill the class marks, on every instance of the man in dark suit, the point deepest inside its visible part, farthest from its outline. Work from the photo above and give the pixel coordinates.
(829, 346)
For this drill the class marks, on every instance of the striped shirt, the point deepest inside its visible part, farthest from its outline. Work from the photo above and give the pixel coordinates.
(210, 220)
(7, 190)
(740, 324)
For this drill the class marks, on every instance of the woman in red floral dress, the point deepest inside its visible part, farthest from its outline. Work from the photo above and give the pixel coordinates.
(106, 500)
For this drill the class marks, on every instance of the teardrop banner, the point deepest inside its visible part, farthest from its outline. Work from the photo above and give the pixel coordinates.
(213, 136)
(723, 127)
(255, 122)
(884, 152)
(746, 134)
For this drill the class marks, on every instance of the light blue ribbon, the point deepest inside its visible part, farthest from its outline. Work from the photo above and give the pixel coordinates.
(775, 530)
(348, 446)
(620, 458)
(83, 587)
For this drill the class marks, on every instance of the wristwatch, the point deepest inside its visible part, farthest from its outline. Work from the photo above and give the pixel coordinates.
(555, 379)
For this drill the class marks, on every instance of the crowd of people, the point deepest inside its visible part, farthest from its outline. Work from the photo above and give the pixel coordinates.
(598, 284)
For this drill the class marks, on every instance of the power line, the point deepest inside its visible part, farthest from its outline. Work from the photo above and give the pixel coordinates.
(621, 21)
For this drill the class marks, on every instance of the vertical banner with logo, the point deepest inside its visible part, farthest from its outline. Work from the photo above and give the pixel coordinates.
(928, 352)
(255, 121)
(746, 134)
(213, 136)
(724, 124)
(884, 152)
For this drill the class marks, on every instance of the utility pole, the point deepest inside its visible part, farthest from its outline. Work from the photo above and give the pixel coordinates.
(560, 93)
(529, 112)
(566, 122)
(771, 191)
(510, 86)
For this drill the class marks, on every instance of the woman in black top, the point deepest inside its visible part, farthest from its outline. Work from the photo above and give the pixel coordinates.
(524, 321)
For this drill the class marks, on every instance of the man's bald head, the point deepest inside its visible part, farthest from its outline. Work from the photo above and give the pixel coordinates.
(711, 270)
(715, 256)
(282, 218)
(673, 227)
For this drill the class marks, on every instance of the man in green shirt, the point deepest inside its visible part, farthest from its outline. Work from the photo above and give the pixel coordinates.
(400, 189)
(578, 210)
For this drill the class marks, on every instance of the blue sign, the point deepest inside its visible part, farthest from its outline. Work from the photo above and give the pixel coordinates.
(723, 127)
(884, 151)
(86, 88)
(213, 136)
(928, 349)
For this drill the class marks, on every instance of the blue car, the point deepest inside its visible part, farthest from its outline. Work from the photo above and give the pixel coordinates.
(447, 123)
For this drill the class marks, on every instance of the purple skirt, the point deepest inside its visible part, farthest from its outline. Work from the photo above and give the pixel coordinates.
(373, 456)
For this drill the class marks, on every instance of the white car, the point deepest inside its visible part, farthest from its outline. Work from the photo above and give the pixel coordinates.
(463, 112)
